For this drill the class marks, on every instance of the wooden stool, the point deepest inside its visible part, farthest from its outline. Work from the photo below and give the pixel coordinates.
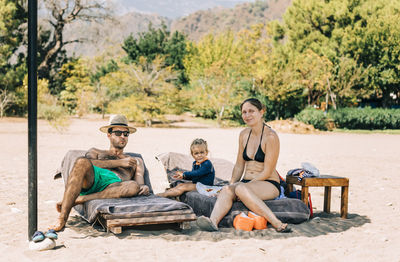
(323, 181)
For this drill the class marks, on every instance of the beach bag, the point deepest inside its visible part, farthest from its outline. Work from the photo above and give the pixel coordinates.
(297, 194)
(306, 170)
(283, 185)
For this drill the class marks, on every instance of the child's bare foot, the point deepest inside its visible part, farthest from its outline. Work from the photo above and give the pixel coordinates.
(161, 194)
(59, 225)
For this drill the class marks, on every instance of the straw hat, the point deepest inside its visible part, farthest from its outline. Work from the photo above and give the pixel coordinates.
(118, 121)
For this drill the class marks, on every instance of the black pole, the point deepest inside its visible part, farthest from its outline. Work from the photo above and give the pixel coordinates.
(32, 117)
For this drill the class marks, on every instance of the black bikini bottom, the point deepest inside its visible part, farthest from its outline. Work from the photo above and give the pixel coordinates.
(276, 184)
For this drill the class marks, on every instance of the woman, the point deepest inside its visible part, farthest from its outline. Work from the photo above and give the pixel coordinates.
(256, 162)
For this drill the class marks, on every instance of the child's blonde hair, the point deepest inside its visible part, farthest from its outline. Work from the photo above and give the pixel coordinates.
(198, 141)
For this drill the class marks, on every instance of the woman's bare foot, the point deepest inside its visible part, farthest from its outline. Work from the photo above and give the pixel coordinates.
(59, 225)
(283, 228)
(206, 224)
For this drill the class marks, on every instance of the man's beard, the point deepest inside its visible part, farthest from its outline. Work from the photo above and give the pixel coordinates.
(118, 145)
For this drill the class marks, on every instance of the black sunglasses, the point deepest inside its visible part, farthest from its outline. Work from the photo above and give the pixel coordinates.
(119, 133)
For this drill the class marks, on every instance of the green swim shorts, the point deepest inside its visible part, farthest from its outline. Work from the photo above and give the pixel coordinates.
(102, 178)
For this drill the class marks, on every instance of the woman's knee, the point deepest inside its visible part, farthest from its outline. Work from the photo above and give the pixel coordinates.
(241, 189)
(228, 191)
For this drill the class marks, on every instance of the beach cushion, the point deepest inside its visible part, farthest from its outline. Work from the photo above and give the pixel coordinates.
(122, 206)
(288, 210)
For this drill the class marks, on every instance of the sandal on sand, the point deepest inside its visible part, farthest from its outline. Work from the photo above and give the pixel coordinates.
(283, 228)
(205, 224)
(37, 236)
(51, 233)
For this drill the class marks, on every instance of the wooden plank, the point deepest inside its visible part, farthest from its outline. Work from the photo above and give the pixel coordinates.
(116, 230)
(150, 220)
(292, 180)
(344, 202)
(304, 195)
(327, 199)
(290, 187)
(185, 225)
(324, 180)
(148, 214)
(316, 181)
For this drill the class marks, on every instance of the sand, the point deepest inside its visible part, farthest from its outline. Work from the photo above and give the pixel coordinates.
(370, 161)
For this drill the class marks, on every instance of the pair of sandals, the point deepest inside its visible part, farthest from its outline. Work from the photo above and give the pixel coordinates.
(39, 236)
(205, 224)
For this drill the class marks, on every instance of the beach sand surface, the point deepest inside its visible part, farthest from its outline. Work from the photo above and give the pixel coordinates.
(370, 161)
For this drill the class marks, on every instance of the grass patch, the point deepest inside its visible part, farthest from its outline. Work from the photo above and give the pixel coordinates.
(362, 131)
(214, 123)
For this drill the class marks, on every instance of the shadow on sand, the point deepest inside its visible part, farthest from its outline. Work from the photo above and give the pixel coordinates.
(321, 224)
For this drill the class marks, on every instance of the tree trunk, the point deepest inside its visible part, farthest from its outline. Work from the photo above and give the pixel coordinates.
(219, 116)
(53, 49)
(332, 95)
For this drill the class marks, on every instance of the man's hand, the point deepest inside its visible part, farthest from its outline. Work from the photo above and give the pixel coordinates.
(129, 162)
(143, 190)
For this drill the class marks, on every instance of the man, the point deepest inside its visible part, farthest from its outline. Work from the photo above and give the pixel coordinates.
(104, 173)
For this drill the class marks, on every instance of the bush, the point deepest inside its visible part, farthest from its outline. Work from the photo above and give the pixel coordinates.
(55, 114)
(366, 118)
(139, 108)
(314, 117)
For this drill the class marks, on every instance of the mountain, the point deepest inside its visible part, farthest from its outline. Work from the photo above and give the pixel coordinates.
(240, 17)
(109, 35)
(172, 8)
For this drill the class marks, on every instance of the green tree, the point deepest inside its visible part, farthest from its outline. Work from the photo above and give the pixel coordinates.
(366, 31)
(214, 69)
(347, 82)
(61, 13)
(12, 61)
(313, 72)
(142, 91)
(158, 42)
(273, 75)
(78, 92)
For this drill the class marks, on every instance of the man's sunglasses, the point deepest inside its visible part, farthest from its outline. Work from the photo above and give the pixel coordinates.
(119, 133)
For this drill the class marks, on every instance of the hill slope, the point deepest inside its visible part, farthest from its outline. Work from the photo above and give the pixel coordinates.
(240, 17)
(173, 8)
(111, 33)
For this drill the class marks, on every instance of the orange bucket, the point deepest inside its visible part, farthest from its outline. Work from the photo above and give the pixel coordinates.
(243, 222)
(259, 221)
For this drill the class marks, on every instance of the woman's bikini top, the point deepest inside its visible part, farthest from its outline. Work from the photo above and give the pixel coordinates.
(260, 155)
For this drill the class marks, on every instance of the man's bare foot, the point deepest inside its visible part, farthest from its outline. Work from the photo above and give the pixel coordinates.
(59, 225)
(58, 207)
(79, 200)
